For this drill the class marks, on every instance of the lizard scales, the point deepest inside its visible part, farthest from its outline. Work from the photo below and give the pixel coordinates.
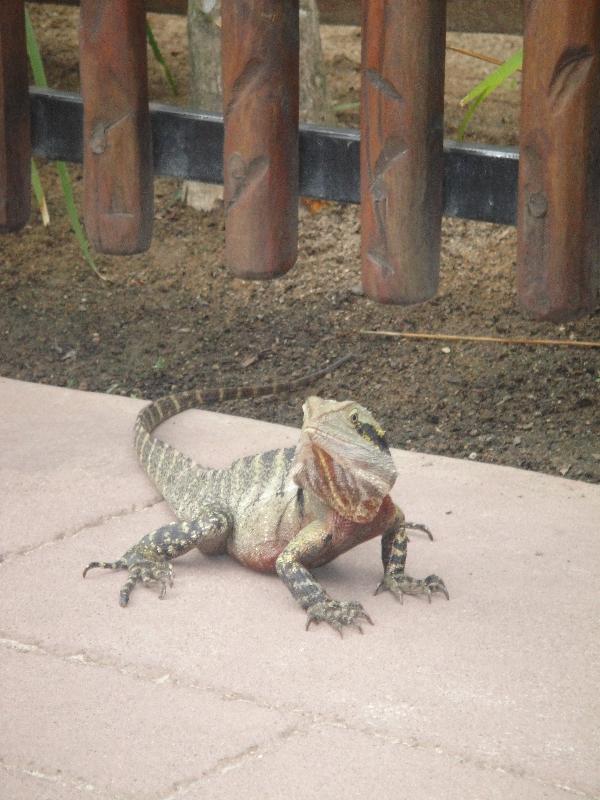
(286, 510)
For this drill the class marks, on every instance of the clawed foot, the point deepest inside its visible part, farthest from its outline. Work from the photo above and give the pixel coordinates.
(399, 585)
(147, 572)
(338, 614)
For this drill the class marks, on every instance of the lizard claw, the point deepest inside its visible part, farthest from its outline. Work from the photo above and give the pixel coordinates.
(163, 575)
(338, 614)
(418, 526)
(399, 585)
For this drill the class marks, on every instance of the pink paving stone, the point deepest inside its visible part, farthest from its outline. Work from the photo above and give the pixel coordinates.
(511, 662)
(122, 734)
(66, 460)
(353, 765)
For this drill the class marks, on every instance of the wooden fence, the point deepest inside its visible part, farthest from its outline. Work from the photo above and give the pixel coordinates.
(407, 177)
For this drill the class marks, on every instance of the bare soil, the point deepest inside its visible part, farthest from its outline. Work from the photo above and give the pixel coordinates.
(174, 317)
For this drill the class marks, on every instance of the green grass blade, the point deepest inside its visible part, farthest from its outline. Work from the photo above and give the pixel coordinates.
(161, 60)
(489, 84)
(350, 106)
(495, 78)
(76, 225)
(39, 77)
(33, 51)
(38, 191)
(468, 115)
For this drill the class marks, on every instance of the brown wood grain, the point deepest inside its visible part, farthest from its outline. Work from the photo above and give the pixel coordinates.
(260, 161)
(15, 139)
(559, 176)
(402, 104)
(117, 153)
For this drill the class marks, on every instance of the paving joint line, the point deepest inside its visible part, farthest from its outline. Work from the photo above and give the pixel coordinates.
(228, 763)
(58, 777)
(71, 533)
(314, 720)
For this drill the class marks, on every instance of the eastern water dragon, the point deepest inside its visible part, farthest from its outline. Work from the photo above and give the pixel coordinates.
(286, 511)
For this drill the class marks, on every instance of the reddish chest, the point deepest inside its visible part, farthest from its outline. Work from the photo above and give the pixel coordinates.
(344, 534)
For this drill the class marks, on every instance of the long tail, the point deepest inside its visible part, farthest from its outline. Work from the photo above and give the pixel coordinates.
(161, 410)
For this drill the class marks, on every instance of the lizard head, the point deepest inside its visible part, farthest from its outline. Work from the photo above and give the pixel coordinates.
(343, 457)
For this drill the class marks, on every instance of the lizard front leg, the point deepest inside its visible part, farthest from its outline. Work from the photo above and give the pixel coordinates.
(393, 555)
(306, 548)
(149, 561)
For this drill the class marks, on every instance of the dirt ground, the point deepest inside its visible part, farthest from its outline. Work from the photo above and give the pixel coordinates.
(174, 318)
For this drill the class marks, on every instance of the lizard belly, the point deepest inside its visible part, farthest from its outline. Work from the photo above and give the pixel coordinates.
(262, 531)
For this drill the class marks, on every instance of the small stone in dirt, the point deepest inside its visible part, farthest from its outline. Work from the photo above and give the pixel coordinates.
(473, 456)
(517, 440)
(564, 470)
(445, 350)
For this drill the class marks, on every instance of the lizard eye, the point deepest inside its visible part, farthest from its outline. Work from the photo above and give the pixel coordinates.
(354, 417)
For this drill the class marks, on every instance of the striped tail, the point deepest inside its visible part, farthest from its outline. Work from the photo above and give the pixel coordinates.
(152, 452)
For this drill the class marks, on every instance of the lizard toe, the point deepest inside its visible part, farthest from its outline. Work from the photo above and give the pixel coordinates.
(338, 614)
(399, 585)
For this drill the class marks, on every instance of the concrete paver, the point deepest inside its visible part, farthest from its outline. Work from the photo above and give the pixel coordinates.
(497, 688)
(54, 450)
(353, 765)
(125, 735)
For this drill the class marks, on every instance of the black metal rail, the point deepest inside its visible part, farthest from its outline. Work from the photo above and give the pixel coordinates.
(480, 181)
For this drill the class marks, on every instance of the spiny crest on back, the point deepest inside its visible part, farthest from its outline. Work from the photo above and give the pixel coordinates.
(343, 457)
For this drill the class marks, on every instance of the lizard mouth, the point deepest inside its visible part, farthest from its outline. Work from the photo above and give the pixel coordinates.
(353, 449)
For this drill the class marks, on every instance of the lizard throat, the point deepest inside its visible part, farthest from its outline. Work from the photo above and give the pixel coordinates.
(356, 494)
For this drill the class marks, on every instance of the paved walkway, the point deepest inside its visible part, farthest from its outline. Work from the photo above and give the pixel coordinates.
(218, 692)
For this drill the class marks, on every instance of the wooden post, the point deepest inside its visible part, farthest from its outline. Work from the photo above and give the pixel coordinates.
(559, 175)
(402, 111)
(117, 153)
(260, 97)
(15, 138)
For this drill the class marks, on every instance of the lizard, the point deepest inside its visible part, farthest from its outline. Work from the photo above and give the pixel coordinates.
(285, 511)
